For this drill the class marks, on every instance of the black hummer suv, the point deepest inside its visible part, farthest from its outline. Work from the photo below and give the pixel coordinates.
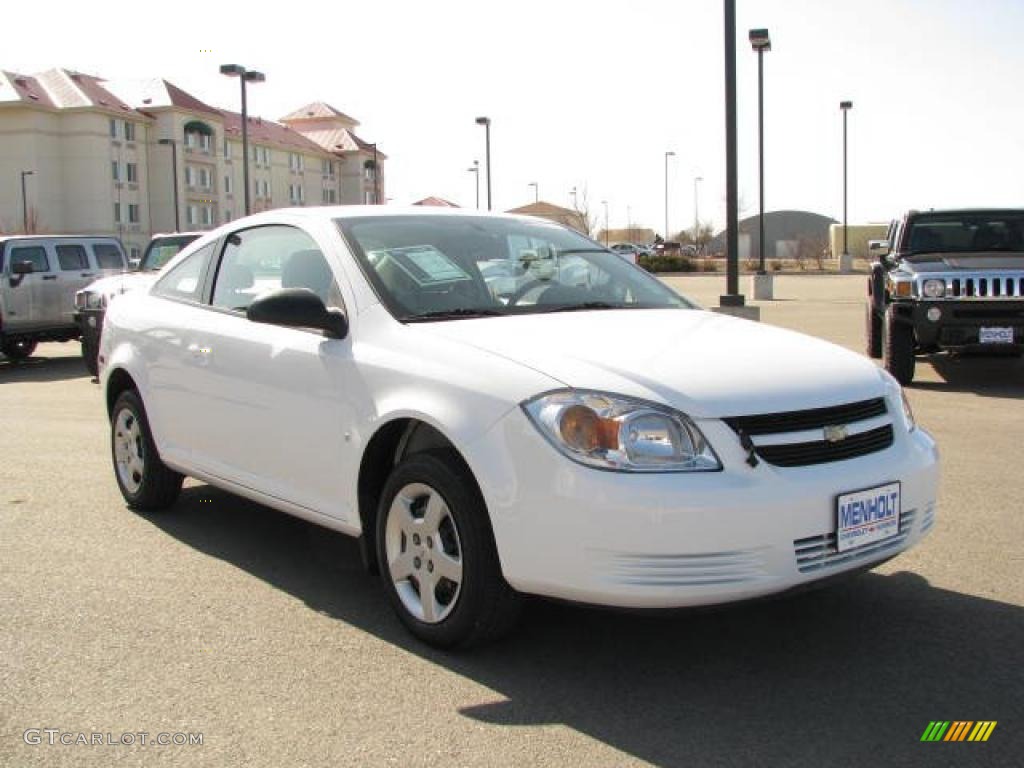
(946, 280)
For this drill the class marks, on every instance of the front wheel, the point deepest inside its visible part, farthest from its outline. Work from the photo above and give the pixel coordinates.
(18, 350)
(873, 332)
(145, 481)
(898, 349)
(437, 554)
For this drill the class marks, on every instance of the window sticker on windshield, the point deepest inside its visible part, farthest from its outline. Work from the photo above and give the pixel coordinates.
(424, 264)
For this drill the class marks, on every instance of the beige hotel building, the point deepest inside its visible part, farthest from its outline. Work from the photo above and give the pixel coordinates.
(98, 166)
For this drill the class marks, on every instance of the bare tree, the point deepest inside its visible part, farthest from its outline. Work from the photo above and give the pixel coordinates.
(586, 217)
(32, 220)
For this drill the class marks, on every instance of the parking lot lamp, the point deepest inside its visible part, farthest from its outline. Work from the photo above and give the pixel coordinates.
(845, 106)
(486, 123)
(24, 201)
(761, 43)
(475, 170)
(668, 154)
(536, 191)
(605, 204)
(244, 76)
(174, 177)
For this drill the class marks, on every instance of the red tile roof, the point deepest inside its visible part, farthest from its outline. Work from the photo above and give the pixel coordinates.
(268, 132)
(96, 93)
(185, 100)
(23, 89)
(318, 110)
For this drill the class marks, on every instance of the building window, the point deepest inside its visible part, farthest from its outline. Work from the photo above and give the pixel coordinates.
(228, 188)
(205, 142)
(368, 197)
(296, 193)
(204, 178)
(262, 188)
(327, 169)
(133, 172)
(192, 215)
(190, 139)
(115, 170)
(227, 148)
(330, 196)
(207, 215)
(369, 171)
(135, 253)
(295, 162)
(190, 177)
(117, 213)
(113, 128)
(133, 213)
(129, 131)
(227, 215)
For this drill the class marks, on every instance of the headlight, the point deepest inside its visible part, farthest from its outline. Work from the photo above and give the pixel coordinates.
(908, 412)
(621, 433)
(80, 300)
(934, 289)
(894, 390)
(95, 300)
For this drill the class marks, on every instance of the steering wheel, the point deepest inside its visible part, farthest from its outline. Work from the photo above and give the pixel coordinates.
(525, 289)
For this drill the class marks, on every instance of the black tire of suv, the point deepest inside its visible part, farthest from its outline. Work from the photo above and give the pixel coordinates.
(873, 331)
(18, 350)
(159, 486)
(486, 606)
(898, 349)
(90, 356)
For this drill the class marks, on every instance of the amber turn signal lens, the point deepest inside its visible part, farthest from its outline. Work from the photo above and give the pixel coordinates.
(584, 430)
(903, 289)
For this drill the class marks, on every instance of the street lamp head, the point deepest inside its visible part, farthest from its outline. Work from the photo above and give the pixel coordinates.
(474, 169)
(254, 77)
(759, 40)
(28, 173)
(669, 153)
(483, 121)
(845, 105)
(232, 70)
(165, 141)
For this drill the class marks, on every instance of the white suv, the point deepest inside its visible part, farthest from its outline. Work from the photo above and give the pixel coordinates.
(570, 427)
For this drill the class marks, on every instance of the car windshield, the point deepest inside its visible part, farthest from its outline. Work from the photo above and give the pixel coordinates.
(452, 267)
(968, 232)
(162, 249)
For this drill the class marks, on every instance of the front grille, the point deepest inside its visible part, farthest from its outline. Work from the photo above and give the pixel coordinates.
(815, 418)
(682, 570)
(817, 553)
(991, 286)
(815, 451)
(822, 451)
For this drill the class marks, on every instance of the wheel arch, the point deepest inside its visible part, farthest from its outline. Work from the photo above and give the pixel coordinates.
(118, 381)
(393, 441)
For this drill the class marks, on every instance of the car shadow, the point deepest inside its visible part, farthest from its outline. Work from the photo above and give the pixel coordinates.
(988, 376)
(42, 369)
(850, 675)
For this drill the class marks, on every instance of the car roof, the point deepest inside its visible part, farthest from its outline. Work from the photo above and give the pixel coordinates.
(319, 213)
(5, 238)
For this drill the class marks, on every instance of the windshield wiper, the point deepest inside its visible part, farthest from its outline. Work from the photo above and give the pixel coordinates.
(583, 250)
(583, 305)
(459, 313)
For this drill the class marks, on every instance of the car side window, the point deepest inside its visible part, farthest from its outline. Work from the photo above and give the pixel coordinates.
(72, 258)
(184, 281)
(35, 254)
(108, 256)
(265, 258)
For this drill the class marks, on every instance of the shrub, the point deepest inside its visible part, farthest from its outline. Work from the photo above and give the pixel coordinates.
(670, 263)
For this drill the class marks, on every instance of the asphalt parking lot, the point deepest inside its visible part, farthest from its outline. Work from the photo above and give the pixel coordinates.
(263, 633)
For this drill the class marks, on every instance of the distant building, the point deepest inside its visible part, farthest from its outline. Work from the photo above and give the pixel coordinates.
(556, 213)
(437, 202)
(783, 232)
(636, 235)
(93, 147)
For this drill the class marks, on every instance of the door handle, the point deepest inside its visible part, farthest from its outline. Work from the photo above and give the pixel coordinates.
(87, 274)
(49, 277)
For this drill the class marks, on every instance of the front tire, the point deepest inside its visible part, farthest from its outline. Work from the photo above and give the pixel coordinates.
(437, 554)
(145, 481)
(18, 350)
(873, 332)
(90, 356)
(898, 348)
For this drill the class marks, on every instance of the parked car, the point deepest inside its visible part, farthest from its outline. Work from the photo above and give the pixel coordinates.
(39, 276)
(600, 440)
(91, 302)
(628, 251)
(948, 280)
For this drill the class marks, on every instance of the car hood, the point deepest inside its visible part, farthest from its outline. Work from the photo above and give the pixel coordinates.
(706, 364)
(115, 285)
(952, 262)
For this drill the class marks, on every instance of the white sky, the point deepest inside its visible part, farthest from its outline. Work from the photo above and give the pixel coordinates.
(591, 93)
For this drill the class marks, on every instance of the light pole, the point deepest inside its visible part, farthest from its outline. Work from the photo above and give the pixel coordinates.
(732, 296)
(244, 76)
(24, 201)
(605, 204)
(668, 154)
(376, 175)
(844, 106)
(486, 123)
(174, 171)
(536, 191)
(475, 170)
(760, 42)
(696, 211)
(575, 205)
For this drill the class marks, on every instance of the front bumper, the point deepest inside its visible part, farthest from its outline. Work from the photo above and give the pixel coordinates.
(672, 540)
(960, 321)
(90, 323)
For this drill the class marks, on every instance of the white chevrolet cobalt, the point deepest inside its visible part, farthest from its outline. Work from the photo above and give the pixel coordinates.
(496, 406)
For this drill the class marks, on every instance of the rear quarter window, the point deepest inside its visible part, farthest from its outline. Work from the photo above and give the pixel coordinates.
(184, 282)
(108, 256)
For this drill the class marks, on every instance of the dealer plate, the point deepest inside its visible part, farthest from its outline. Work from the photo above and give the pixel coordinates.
(995, 335)
(867, 517)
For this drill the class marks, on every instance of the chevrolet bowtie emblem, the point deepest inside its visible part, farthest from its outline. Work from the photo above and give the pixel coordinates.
(835, 433)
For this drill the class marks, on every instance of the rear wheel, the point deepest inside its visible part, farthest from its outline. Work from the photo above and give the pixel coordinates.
(437, 555)
(145, 481)
(898, 348)
(19, 349)
(873, 332)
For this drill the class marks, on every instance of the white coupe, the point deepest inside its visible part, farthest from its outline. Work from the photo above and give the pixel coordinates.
(498, 406)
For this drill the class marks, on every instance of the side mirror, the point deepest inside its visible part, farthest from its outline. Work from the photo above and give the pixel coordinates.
(879, 248)
(22, 268)
(297, 308)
